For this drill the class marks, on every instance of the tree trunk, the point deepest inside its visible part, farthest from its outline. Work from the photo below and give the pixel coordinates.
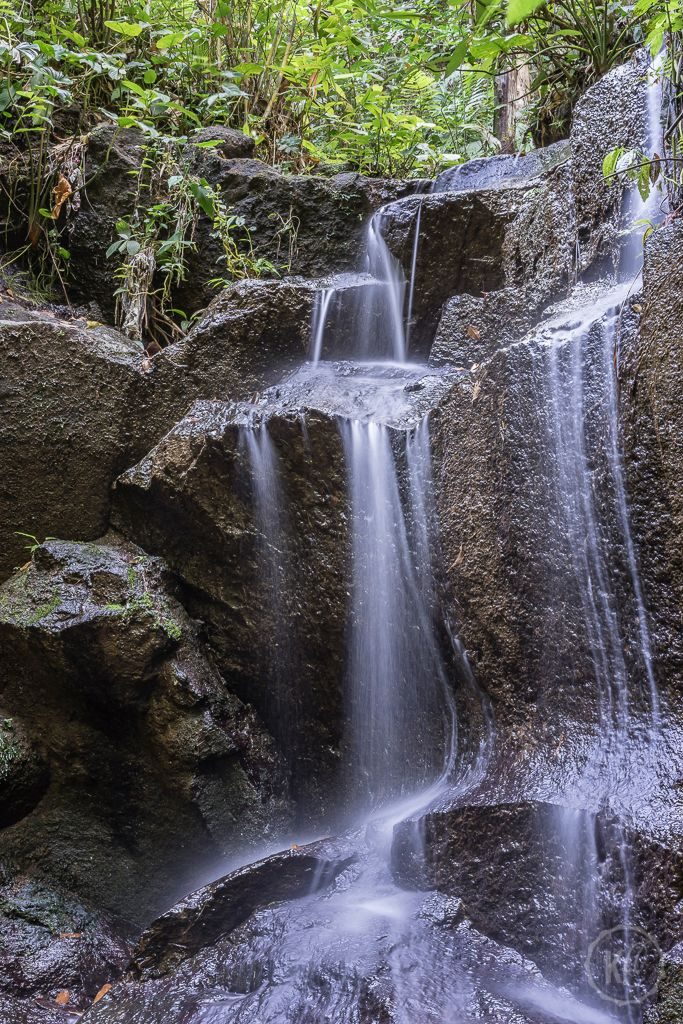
(512, 94)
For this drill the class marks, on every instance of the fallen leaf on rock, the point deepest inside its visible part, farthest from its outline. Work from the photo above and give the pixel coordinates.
(70, 935)
(62, 998)
(473, 332)
(92, 324)
(102, 993)
(60, 194)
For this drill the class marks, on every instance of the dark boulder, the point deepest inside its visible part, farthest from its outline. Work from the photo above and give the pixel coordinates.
(502, 171)
(66, 400)
(668, 992)
(24, 776)
(219, 908)
(230, 143)
(290, 940)
(156, 770)
(498, 250)
(500, 441)
(293, 224)
(272, 590)
(52, 945)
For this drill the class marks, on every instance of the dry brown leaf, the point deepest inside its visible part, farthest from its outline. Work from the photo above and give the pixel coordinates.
(473, 332)
(62, 998)
(102, 993)
(475, 391)
(70, 935)
(60, 194)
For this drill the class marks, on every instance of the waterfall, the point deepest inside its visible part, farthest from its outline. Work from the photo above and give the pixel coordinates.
(371, 312)
(592, 508)
(401, 717)
(271, 524)
(413, 270)
(320, 313)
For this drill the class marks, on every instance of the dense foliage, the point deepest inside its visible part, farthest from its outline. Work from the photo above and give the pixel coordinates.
(387, 88)
(391, 88)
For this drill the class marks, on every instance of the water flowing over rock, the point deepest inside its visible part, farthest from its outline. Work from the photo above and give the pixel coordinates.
(433, 606)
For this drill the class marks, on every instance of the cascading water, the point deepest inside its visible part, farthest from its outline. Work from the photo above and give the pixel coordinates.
(272, 568)
(363, 950)
(591, 503)
(372, 312)
(400, 712)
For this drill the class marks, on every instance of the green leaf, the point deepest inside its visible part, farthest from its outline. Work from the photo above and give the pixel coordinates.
(249, 69)
(204, 198)
(125, 28)
(150, 76)
(134, 87)
(610, 162)
(518, 10)
(132, 247)
(169, 40)
(126, 122)
(74, 36)
(458, 57)
(644, 181)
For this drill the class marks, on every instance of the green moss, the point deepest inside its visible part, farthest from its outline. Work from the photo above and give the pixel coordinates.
(171, 629)
(43, 610)
(132, 578)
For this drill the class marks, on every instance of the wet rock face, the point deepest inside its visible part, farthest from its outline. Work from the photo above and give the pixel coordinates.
(208, 914)
(251, 334)
(502, 253)
(24, 776)
(520, 871)
(650, 371)
(612, 113)
(459, 250)
(270, 944)
(65, 409)
(502, 171)
(502, 446)
(668, 1008)
(153, 765)
(272, 591)
(50, 943)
